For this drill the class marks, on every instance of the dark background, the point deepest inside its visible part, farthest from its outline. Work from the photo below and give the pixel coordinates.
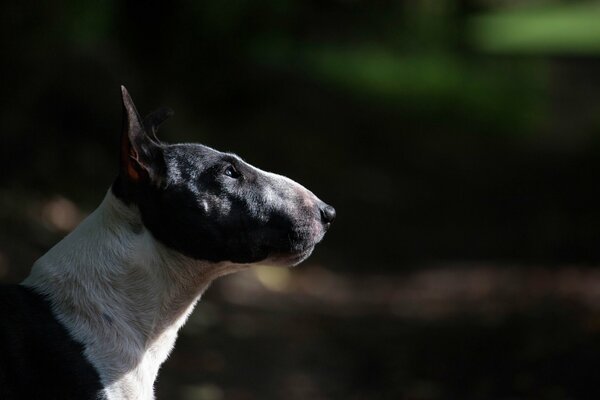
(458, 140)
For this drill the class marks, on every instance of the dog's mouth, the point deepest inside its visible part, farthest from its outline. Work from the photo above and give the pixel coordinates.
(292, 246)
(295, 259)
(289, 258)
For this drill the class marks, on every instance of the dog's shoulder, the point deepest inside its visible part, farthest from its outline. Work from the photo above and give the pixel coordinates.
(38, 357)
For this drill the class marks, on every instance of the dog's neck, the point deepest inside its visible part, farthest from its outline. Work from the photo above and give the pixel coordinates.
(122, 294)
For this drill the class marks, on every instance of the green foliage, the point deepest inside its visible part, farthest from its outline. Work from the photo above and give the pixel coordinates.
(550, 29)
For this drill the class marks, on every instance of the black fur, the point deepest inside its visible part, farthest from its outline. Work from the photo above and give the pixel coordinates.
(211, 206)
(39, 358)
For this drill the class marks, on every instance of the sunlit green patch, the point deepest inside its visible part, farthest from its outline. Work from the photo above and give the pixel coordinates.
(560, 29)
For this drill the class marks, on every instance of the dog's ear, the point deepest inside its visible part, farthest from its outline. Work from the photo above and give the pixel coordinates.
(153, 121)
(141, 157)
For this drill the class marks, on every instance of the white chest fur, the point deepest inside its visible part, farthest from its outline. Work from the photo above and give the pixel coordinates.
(122, 295)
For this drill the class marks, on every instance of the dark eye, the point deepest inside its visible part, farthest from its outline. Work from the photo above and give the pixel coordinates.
(231, 172)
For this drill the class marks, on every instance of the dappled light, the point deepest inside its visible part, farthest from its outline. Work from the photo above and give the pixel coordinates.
(202, 392)
(273, 278)
(436, 292)
(60, 214)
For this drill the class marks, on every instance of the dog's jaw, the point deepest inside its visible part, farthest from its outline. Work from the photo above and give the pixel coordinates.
(122, 294)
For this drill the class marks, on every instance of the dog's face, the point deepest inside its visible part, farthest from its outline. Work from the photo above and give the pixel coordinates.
(213, 206)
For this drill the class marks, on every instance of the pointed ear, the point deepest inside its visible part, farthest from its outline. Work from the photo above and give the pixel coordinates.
(153, 121)
(141, 158)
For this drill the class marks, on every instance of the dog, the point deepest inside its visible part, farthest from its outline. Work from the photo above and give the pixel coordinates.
(100, 311)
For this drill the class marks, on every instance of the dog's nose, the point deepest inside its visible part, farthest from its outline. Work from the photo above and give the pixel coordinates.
(327, 214)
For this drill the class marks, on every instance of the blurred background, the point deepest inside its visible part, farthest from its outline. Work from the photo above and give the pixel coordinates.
(459, 141)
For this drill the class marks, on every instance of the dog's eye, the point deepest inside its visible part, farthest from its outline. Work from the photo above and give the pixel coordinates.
(231, 172)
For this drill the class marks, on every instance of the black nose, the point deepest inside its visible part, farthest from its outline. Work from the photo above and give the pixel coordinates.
(327, 214)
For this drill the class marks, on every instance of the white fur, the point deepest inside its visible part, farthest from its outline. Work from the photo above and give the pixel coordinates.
(122, 295)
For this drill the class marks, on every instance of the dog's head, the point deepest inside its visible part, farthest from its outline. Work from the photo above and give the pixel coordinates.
(213, 206)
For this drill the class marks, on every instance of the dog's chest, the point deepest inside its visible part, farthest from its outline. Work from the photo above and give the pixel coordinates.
(138, 382)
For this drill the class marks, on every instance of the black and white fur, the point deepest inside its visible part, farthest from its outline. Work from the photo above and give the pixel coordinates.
(100, 311)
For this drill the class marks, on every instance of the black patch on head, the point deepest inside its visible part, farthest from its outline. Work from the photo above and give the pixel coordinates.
(206, 204)
(38, 357)
(207, 212)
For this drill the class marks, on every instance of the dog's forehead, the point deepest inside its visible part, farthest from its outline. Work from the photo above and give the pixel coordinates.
(189, 159)
(192, 151)
(198, 152)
